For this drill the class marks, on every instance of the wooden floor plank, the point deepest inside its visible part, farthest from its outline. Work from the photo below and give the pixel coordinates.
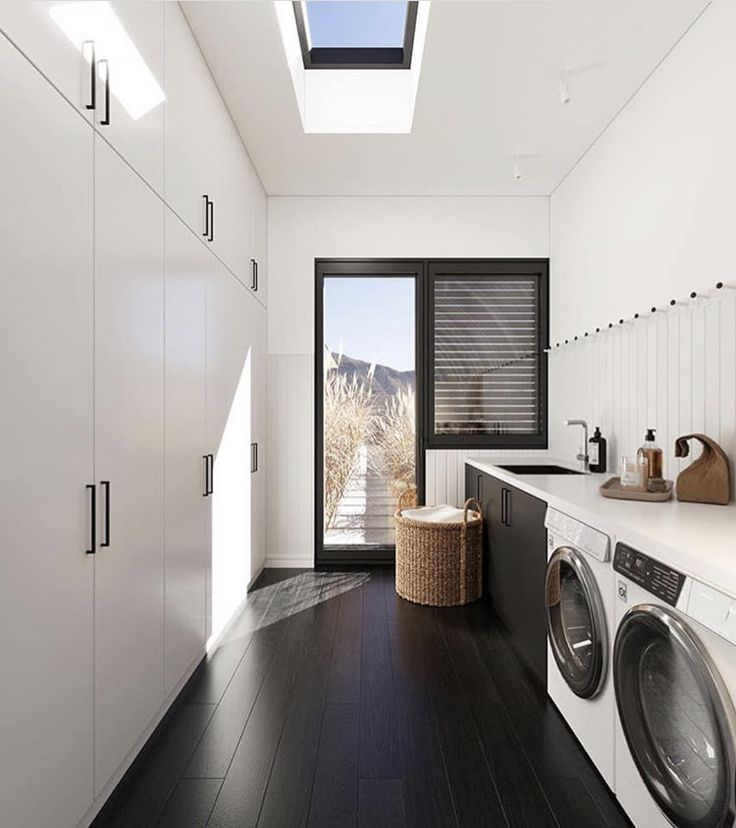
(335, 794)
(191, 804)
(381, 803)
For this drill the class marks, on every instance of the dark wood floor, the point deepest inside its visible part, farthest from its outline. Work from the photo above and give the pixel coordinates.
(335, 703)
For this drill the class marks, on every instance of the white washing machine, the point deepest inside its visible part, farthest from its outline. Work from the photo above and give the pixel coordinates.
(579, 609)
(674, 670)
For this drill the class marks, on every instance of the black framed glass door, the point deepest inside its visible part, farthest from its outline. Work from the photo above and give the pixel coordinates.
(366, 435)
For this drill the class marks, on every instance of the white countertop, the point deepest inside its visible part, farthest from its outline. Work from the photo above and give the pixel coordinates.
(696, 539)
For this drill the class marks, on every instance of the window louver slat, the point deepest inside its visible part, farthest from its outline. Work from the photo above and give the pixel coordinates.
(486, 355)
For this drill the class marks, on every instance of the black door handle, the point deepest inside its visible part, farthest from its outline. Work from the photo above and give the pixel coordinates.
(93, 76)
(212, 221)
(505, 511)
(106, 120)
(211, 475)
(106, 484)
(480, 489)
(92, 519)
(206, 233)
(206, 459)
(253, 457)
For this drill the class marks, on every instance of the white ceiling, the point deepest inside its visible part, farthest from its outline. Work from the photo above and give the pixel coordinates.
(488, 91)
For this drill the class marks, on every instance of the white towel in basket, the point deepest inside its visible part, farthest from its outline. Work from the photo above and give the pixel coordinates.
(435, 514)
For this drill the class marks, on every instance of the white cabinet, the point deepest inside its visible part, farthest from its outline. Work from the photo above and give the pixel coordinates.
(204, 155)
(189, 266)
(126, 42)
(259, 438)
(129, 432)
(46, 577)
(229, 438)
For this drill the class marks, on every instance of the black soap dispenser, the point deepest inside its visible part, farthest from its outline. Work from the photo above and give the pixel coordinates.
(597, 451)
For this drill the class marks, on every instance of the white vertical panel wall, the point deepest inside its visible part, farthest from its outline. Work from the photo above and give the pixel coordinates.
(644, 218)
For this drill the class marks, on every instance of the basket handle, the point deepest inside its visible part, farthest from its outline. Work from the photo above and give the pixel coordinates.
(468, 503)
(413, 503)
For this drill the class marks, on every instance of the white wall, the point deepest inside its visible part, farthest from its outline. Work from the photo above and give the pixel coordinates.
(647, 216)
(303, 229)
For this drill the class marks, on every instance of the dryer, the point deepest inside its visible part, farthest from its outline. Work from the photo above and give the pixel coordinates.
(674, 669)
(579, 612)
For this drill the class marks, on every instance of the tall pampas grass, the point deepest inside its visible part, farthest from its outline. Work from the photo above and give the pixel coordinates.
(348, 408)
(393, 435)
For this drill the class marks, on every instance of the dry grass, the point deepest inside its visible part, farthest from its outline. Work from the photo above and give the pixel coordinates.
(348, 406)
(393, 434)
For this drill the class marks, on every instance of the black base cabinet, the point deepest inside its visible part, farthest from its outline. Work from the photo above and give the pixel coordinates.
(514, 561)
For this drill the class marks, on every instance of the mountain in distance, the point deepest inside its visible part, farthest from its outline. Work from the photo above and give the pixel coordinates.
(386, 381)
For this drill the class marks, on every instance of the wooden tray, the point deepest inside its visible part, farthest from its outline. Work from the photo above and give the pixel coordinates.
(613, 488)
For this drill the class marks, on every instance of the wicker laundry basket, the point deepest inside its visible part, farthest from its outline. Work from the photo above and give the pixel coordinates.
(438, 564)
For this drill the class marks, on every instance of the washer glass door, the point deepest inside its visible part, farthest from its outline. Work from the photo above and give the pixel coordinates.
(576, 624)
(677, 718)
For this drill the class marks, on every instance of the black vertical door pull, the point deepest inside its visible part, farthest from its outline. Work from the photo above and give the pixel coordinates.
(93, 76)
(253, 457)
(106, 484)
(106, 120)
(92, 519)
(211, 467)
(503, 507)
(254, 275)
(505, 511)
(206, 233)
(212, 221)
(480, 488)
(206, 459)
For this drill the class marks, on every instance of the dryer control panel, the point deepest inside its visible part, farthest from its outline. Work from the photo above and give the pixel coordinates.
(652, 575)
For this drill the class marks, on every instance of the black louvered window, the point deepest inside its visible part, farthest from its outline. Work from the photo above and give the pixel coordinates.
(487, 367)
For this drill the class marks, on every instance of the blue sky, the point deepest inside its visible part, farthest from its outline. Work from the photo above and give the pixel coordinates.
(356, 23)
(372, 318)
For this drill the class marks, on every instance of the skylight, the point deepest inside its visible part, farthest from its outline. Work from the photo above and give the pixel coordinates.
(356, 34)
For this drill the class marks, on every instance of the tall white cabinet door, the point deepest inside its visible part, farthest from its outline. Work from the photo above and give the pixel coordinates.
(229, 437)
(129, 432)
(259, 481)
(188, 264)
(134, 58)
(46, 579)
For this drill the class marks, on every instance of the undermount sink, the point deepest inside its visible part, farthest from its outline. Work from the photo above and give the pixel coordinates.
(539, 469)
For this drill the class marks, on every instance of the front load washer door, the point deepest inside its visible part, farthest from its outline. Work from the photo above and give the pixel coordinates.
(677, 717)
(576, 623)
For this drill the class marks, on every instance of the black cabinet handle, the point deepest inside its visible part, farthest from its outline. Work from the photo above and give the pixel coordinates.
(206, 233)
(206, 459)
(93, 76)
(253, 457)
(106, 120)
(254, 275)
(92, 519)
(505, 511)
(480, 489)
(212, 221)
(211, 474)
(106, 484)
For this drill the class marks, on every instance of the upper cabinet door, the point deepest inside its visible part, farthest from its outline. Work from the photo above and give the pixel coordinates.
(46, 577)
(107, 59)
(129, 453)
(205, 160)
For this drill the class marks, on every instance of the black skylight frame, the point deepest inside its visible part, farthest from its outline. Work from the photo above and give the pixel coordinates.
(356, 57)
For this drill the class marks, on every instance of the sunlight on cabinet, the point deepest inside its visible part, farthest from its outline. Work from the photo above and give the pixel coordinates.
(131, 81)
(231, 514)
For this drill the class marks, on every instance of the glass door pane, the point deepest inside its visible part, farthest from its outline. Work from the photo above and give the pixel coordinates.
(369, 406)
